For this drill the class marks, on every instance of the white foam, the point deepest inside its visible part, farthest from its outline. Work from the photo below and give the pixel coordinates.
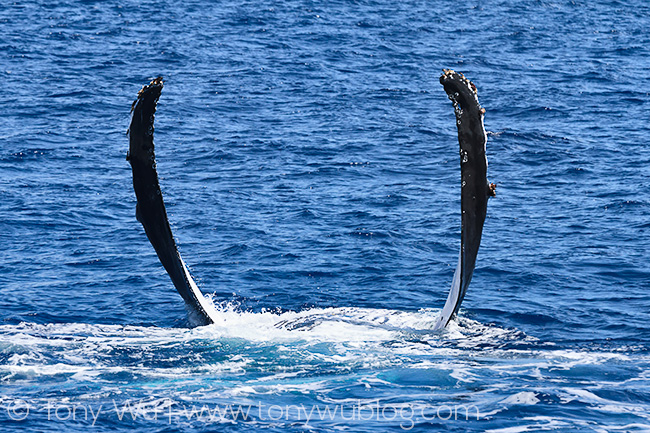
(318, 324)
(521, 398)
(293, 342)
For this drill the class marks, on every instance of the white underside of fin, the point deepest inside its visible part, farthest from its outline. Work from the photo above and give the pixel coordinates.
(452, 300)
(204, 303)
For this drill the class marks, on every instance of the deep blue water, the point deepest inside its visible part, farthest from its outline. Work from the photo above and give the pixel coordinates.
(309, 161)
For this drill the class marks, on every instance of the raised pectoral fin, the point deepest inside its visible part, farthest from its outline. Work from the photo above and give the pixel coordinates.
(474, 194)
(150, 209)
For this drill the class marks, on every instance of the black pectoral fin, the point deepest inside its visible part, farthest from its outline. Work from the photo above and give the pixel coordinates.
(475, 188)
(150, 209)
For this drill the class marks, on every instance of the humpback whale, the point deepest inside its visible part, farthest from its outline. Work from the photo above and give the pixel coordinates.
(151, 212)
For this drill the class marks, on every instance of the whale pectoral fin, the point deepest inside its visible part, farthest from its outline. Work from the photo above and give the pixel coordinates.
(150, 209)
(474, 193)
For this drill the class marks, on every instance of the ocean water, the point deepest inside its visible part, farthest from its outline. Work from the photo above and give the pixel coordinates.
(309, 161)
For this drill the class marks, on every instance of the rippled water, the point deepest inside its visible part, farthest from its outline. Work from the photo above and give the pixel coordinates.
(309, 161)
